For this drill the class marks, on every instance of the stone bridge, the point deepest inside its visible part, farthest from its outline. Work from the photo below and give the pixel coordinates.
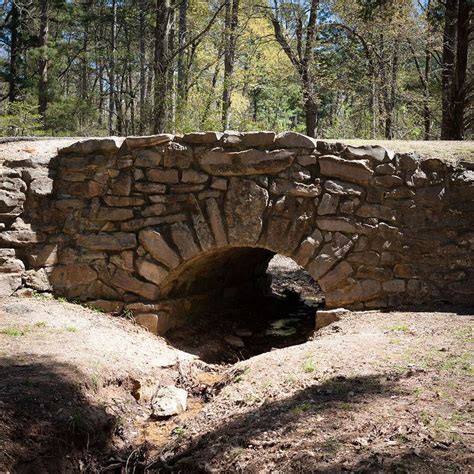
(166, 225)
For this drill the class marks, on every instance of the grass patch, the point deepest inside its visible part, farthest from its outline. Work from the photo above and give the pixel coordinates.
(14, 331)
(309, 365)
(179, 431)
(127, 314)
(399, 328)
(303, 407)
(71, 329)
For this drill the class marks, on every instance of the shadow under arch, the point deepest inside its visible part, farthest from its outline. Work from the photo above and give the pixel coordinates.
(240, 305)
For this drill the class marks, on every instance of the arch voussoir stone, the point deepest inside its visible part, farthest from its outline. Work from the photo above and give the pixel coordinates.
(157, 224)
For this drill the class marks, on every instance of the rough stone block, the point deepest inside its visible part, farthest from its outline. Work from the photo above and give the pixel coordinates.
(125, 281)
(341, 188)
(163, 176)
(337, 277)
(65, 276)
(151, 271)
(9, 282)
(295, 140)
(257, 139)
(37, 279)
(41, 186)
(336, 224)
(290, 188)
(326, 317)
(394, 286)
(150, 140)
(116, 241)
(123, 201)
(219, 183)
(243, 209)
(354, 171)
(149, 321)
(216, 222)
(183, 239)
(158, 248)
(328, 204)
(193, 176)
(375, 153)
(96, 145)
(218, 162)
(202, 138)
(308, 247)
(148, 158)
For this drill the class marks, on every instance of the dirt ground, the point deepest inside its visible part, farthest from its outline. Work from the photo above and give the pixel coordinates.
(374, 392)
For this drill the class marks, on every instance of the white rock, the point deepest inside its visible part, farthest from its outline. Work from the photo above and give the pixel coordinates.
(169, 401)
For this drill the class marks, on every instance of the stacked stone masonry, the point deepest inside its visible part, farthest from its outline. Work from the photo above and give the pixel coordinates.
(160, 224)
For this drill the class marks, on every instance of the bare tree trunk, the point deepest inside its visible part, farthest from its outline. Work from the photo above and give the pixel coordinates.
(302, 61)
(13, 87)
(101, 95)
(142, 29)
(449, 39)
(374, 106)
(182, 37)
(231, 24)
(161, 85)
(459, 86)
(310, 108)
(43, 62)
(426, 96)
(171, 73)
(113, 36)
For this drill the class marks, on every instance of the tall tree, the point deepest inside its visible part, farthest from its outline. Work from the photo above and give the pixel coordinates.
(43, 61)
(113, 48)
(160, 65)
(231, 24)
(448, 58)
(459, 86)
(13, 88)
(302, 57)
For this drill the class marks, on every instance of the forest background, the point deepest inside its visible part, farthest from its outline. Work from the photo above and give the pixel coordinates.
(378, 69)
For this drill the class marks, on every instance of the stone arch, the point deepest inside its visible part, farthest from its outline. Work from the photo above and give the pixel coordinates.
(229, 243)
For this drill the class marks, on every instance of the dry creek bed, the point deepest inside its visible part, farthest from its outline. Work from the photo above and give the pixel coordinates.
(375, 391)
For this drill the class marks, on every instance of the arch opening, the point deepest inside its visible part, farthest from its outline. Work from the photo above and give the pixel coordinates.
(246, 301)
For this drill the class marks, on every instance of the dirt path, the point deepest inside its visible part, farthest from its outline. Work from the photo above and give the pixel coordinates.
(374, 392)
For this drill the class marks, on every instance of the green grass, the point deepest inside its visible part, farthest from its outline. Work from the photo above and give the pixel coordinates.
(14, 331)
(309, 365)
(127, 313)
(399, 328)
(71, 329)
(298, 409)
(179, 430)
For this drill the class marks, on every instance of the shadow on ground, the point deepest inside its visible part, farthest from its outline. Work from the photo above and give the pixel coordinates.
(45, 419)
(270, 426)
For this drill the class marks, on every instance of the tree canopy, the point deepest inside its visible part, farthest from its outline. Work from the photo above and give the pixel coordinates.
(329, 68)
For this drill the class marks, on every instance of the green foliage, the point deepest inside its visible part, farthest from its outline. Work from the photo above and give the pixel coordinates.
(14, 331)
(309, 365)
(21, 119)
(399, 328)
(364, 69)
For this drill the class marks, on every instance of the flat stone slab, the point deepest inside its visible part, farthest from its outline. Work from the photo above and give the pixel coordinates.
(219, 162)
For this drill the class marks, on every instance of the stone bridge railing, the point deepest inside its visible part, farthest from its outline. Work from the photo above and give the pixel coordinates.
(163, 225)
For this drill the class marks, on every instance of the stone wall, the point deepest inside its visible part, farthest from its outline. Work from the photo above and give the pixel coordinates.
(160, 224)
